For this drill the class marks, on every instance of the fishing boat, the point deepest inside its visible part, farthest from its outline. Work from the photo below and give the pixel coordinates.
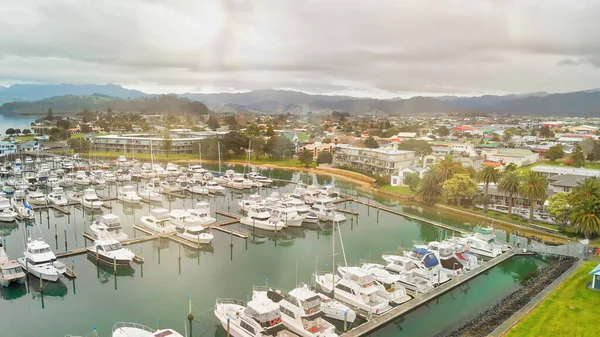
(10, 270)
(40, 261)
(258, 318)
(36, 198)
(158, 221)
(288, 215)
(58, 197)
(259, 217)
(107, 249)
(81, 179)
(126, 329)
(482, 242)
(189, 226)
(128, 194)
(90, 199)
(111, 224)
(388, 287)
(202, 211)
(75, 196)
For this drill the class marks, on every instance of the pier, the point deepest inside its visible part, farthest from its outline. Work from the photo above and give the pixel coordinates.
(386, 318)
(234, 219)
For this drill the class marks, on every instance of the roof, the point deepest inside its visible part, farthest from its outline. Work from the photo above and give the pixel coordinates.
(566, 170)
(595, 271)
(407, 134)
(514, 153)
(378, 150)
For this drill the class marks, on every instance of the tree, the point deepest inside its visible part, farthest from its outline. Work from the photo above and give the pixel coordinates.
(325, 157)
(446, 167)
(510, 167)
(270, 132)
(50, 115)
(429, 189)
(507, 136)
(585, 216)
(559, 208)
(489, 174)
(442, 131)
(212, 122)
(26, 132)
(371, 143)
(533, 187)
(421, 147)
(167, 144)
(279, 147)
(10, 131)
(326, 141)
(509, 185)
(595, 154)
(306, 158)
(577, 158)
(412, 180)
(555, 152)
(79, 145)
(257, 146)
(85, 128)
(546, 132)
(237, 142)
(460, 186)
(63, 124)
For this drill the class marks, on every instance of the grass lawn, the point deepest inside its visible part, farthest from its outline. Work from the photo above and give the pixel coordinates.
(570, 310)
(25, 138)
(595, 166)
(283, 162)
(404, 190)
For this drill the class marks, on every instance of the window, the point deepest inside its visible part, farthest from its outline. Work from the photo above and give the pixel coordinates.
(287, 312)
(247, 326)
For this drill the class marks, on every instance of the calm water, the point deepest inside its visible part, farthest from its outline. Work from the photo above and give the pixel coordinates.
(20, 122)
(161, 286)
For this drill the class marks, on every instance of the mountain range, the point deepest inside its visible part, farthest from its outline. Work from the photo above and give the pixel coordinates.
(581, 103)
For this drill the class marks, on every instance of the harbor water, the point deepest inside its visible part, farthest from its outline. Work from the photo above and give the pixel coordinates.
(228, 268)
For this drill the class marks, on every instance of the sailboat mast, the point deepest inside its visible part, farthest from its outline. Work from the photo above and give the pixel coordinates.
(333, 265)
(219, 150)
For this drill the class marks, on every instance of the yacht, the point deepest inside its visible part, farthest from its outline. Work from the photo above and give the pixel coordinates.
(482, 242)
(302, 209)
(111, 224)
(416, 283)
(335, 309)
(172, 170)
(289, 216)
(202, 211)
(388, 287)
(108, 250)
(169, 187)
(358, 290)
(53, 182)
(150, 195)
(75, 196)
(426, 266)
(58, 197)
(68, 180)
(253, 200)
(125, 329)
(158, 221)
(454, 258)
(36, 198)
(23, 209)
(109, 177)
(262, 180)
(190, 227)
(197, 189)
(97, 177)
(147, 172)
(259, 217)
(128, 194)
(258, 318)
(300, 310)
(81, 179)
(40, 261)
(214, 188)
(7, 213)
(123, 176)
(325, 210)
(90, 199)
(196, 168)
(10, 270)
(159, 171)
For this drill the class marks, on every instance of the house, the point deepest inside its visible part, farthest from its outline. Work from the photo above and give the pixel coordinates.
(300, 139)
(30, 146)
(565, 182)
(431, 159)
(464, 148)
(407, 135)
(385, 161)
(549, 171)
(595, 278)
(519, 157)
(318, 147)
(398, 179)
(7, 148)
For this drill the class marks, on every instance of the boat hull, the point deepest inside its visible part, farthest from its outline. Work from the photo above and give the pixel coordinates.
(45, 272)
(100, 258)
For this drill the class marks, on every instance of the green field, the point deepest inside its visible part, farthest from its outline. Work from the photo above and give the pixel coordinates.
(570, 310)
(595, 166)
(404, 190)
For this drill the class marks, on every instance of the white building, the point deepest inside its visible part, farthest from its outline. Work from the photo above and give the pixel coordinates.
(550, 171)
(384, 161)
(398, 179)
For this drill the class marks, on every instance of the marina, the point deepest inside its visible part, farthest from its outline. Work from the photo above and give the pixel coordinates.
(234, 246)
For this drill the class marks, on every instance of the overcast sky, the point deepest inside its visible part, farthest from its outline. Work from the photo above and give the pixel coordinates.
(360, 47)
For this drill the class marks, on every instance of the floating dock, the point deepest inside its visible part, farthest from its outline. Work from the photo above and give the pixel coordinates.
(403, 309)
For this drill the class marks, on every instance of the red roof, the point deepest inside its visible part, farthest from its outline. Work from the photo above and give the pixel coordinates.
(463, 128)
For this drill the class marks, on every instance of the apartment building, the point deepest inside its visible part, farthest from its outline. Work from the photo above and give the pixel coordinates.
(385, 161)
(146, 143)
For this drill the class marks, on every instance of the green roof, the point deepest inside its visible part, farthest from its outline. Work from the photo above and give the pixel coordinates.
(488, 145)
(289, 135)
(303, 137)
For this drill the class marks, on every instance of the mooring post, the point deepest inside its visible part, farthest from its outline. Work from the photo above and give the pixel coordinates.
(228, 333)
(345, 321)
(41, 284)
(73, 266)
(179, 249)
(65, 240)
(115, 265)
(97, 254)
(159, 324)
(378, 215)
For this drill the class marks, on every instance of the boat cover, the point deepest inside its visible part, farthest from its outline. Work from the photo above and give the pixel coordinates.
(430, 261)
(421, 251)
(460, 256)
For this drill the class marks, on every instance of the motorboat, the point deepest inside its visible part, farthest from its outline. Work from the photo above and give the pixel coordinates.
(97, 177)
(75, 196)
(253, 199)
(111, 224)
(289, 216)
(172, 170)
(40, 261)
(329, 191)
(147, 172)
(81, 179)
(150, 195)
(23, 209)
(68, 180)
(128, 194)
(8, 189)
(108, 250)
(197, 189)
(7, 213)
(426, 266)
(300, 310)
(169, 187)
(482, 242)
(238, 182)
(388, 287)
(262, 180)
(126, 329)
(358, 291)
(10, 270)
(58, 197)
(325, 210)
(36, 198)
(259, 217)
(90, 199)
(415, 283)
(53, 182)
(190, 227)
(159, 171)
(214, 188)
(258, 318)
(202, 211)
(302, 209)
(158, 221)
(335, 309)
(454, 258)
(123, 176)
(109, 177)
(196, 168)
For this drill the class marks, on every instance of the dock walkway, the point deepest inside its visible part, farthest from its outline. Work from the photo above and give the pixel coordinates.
(379, 321)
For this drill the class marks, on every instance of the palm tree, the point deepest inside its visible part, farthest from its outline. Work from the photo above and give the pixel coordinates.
(585, 216)
(533, 187)
(590, 187)
(509, 184)
(489, 174)
(429, 189)
(446, 168)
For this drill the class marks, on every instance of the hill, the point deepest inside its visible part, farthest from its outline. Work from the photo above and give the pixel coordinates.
(284, 97)
(35, 92)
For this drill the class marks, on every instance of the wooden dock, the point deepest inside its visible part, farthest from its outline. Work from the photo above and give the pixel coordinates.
(230, 231)
(227, 214)
(347, 211)
(79, 251)
(403, 309)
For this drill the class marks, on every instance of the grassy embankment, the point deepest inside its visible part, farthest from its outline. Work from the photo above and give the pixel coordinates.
(570, 310)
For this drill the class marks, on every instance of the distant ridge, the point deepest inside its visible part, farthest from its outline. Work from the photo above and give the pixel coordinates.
(36, 92)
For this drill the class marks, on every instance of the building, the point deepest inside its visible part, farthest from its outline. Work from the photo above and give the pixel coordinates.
(564, 182)
(132, 144)
(550, 171)
(300, 139)
(385, 161)
(30, 146)
(595, 278)
(7, 148)
(318, 147)
(398, 179)
(464, 148)
(519, 157)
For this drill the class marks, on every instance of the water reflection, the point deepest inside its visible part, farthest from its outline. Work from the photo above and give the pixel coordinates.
(13, 291)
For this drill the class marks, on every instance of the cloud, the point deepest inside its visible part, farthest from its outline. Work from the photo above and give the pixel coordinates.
(385, 47)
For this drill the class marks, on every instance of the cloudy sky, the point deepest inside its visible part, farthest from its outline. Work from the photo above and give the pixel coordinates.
(367, 48)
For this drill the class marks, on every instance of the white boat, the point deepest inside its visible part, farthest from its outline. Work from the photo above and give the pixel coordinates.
(53, 182)
(158, 221)
(257, 177)
(81, 179)
(388, 287)
(97, 177)
(253, 200)
(7, 213)
(289, 216)
(482, 242)
(58, 197)
(40, 261)
(169, 187)
(214, 188)
(454, 258)
(10, 270)
(159, 171)
(109, 177)
(302, 209)
(416, 283)
(123, 176)
(128, 194)
(36, 198)
(111, 224)
(90, 199)
(190, 227)
(202, 211)
(428, 266)
(196, 168)
(197, 189)
(67, 180)
(23, 209)
(149, 194)
(300, 310)
(335, 309)
(328, 191)
(75, 196)
(259, 217)
(126, 329)
(325, 210)
(108, 250)
(257, 318)
(172, 170)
